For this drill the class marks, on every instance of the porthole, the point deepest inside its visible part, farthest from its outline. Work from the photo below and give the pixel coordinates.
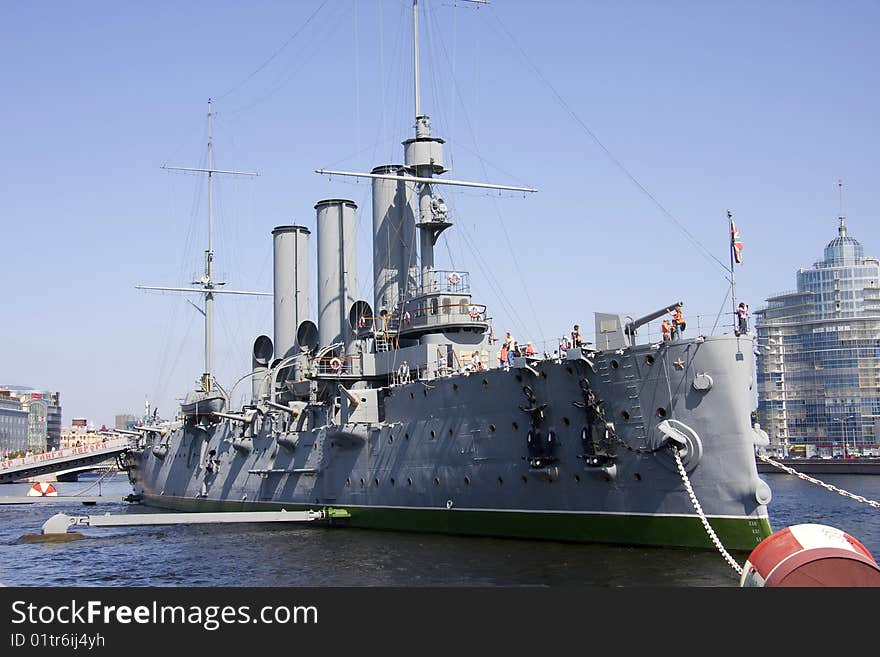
(649, 360)
(637, 476)
(450, 432)
(614, 364)
(406, 436)
(485, 383)
(467, 481)
(500, 481)
(433, 435)
(455, 387)
(409, 481)
(412, 396)
(566, 421)
(515, 426)
(425, 391)
(577, 478)
(624, 415)
(525, 479)
(362, 481)
(376, 481)
(436, 481)
(661, 412)
(391, 481)
(492, 428)
(390, 439)
(348, 482)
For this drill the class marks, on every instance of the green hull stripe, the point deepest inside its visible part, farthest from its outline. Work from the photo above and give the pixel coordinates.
(680, 531)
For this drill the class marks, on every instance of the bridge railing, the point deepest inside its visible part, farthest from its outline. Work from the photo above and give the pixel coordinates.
(68, 452)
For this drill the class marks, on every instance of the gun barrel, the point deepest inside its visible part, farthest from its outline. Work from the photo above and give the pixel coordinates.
(632, 326)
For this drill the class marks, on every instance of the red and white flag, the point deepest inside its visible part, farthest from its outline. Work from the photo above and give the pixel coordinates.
(735, 243)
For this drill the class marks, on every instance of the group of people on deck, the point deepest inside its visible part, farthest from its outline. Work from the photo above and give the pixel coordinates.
(510, 349)
(674, 329)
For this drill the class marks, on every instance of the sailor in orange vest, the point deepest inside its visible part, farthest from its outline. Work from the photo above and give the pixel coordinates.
(678, 322)
(664, 326)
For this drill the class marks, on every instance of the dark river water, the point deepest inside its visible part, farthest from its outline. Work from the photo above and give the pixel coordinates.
(301, 555)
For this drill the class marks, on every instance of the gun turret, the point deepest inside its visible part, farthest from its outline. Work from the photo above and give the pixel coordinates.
(632, 327)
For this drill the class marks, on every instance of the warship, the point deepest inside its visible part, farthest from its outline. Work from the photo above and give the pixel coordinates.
(398, 411)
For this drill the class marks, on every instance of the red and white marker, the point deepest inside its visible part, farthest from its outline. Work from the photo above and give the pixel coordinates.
(42, 488)
(810, 555)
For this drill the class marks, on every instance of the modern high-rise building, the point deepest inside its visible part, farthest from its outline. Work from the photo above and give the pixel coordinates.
(819, 354)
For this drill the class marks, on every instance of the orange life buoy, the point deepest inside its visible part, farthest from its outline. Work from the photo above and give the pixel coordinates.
(335, 364)
(454, 278)
(407, 318)
(362, 322)
(474, 312)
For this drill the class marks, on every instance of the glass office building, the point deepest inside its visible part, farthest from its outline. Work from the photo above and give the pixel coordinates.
(818, 355)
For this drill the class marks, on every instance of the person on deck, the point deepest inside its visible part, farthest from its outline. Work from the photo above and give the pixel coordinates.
(577, 338)
(742, 315)
(666, 329)
(678, 323)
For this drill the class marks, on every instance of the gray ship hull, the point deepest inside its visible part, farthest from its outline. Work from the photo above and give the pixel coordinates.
(519, 453)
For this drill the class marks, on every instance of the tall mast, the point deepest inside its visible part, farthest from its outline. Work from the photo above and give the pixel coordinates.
(841, 229)
(416, 55)
(732, 248)
(423, 155)
(207, 282)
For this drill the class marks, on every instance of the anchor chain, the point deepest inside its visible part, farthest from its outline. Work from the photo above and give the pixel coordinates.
(593, 403)
(832, 488)
(541, 451)
(696, 504)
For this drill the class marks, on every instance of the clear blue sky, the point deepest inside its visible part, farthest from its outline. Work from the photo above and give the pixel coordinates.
(758, 107)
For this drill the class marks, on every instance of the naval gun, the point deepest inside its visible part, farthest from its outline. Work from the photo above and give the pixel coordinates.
(632, 326)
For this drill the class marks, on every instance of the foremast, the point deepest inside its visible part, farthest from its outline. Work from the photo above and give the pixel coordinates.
(208, 286)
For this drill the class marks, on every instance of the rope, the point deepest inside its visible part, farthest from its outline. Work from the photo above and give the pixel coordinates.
(276, 53)
(832, 488)
(96, 482)
(705, 252)
(703, 519)
(720, 310)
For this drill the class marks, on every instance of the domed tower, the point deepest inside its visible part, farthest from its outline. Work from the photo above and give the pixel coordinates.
(817, 352)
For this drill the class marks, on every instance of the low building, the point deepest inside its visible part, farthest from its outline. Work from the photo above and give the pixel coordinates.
(126, 422)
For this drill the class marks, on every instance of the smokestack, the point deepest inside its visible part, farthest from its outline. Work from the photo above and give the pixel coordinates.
(337, 269)
(395, 267)
(291, 252)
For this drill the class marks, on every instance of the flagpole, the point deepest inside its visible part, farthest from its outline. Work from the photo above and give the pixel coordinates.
(732, 248)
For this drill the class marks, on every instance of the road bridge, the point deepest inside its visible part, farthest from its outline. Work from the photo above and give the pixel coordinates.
(61, 460)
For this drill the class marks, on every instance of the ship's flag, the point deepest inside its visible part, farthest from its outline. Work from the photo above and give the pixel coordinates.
(735, 243)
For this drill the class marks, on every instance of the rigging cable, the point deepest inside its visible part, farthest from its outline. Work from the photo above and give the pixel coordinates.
(277, 52)
(523, 283)
(705, 252)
